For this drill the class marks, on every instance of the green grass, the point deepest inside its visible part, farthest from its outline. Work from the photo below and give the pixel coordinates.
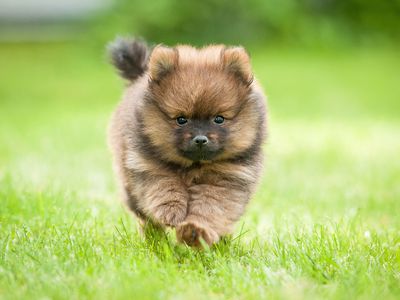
(323, 224)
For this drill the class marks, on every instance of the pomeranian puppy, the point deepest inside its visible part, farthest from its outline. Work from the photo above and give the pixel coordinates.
(186, 138)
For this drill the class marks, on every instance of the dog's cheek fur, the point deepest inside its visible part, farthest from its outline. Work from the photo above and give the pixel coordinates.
(245, 131)
(159, 131)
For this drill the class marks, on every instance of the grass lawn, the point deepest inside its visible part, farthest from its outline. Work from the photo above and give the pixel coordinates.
(325, 223)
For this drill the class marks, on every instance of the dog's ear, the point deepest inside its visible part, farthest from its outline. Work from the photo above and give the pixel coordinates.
(129, 56)
(237, 61)
(163, 60)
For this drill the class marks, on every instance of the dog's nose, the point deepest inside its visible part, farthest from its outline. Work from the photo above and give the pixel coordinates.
(200, 140)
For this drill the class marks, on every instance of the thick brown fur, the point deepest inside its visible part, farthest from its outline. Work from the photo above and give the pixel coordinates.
(162, 179)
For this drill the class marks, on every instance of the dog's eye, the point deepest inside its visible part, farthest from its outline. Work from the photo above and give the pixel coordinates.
(219, 119)
(181, 120)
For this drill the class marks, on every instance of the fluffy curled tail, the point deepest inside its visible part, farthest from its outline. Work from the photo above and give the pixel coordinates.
(129, 56)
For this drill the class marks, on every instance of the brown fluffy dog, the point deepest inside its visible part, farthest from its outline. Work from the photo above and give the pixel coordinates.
(187, 136)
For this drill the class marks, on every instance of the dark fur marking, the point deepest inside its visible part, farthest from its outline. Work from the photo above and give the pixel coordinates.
(131, 200)
(200, 127)
(130, 57)
(132, 204)
(248, 156)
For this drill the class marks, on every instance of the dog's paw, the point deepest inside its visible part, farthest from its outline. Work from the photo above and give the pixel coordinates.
(170, 213)
(191, 233)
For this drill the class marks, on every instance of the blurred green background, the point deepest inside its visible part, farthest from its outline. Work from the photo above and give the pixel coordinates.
(344, 52)
(325, 220)
(257, 21)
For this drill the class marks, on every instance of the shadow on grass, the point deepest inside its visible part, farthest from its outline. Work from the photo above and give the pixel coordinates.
(164, 245)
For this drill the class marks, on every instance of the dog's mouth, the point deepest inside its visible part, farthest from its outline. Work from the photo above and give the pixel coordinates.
(200, 154)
